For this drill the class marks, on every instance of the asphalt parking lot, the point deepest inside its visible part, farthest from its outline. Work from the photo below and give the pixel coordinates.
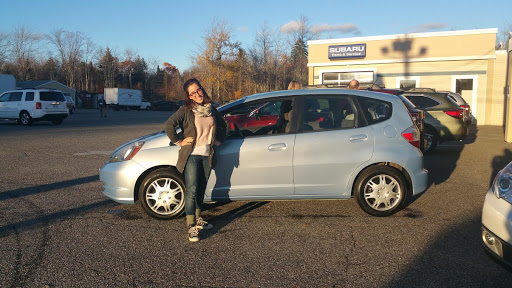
(58, 230)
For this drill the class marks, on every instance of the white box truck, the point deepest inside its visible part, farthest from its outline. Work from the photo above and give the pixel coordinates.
(7, 82)
(120, 98)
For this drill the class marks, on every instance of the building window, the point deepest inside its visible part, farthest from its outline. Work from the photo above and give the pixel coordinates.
(463, 84)
(343, 78)
(407, 83)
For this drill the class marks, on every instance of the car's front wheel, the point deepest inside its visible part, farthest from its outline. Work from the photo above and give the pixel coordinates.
(381, 191)
(162, 194)
(25, 119)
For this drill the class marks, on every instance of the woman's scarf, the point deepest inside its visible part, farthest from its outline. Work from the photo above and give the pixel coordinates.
(203, 110)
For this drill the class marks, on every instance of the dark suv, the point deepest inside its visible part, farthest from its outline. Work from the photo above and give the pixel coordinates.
(444, 119)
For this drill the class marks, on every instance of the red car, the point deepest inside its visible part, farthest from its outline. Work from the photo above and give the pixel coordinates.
(254, 116)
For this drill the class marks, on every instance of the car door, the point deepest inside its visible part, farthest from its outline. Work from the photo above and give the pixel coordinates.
(253, 164)
(4, 99)
(332, 144)
(12, 104)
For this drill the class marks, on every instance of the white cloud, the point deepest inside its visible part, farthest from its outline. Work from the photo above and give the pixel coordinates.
(427, 27)
(293, 26)
(290, 27)
(342, 28)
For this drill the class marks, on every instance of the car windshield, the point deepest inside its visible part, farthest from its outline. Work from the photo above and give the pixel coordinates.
(52, 96)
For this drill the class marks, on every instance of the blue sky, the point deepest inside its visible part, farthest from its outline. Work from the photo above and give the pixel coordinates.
(172, 31)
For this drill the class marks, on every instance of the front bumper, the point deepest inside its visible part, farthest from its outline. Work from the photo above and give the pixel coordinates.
(497, 227)
(119, 180)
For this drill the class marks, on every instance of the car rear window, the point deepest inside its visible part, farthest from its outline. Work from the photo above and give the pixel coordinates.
(52, 96)
(422, 101)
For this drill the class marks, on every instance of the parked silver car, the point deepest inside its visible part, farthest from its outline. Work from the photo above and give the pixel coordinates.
(497, 217)
(322, 144)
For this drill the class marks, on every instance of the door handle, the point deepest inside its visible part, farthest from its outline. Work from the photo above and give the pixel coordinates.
(277, 147)
(358, 138)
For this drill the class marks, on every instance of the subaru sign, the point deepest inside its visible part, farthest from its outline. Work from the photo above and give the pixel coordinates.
(347, 51)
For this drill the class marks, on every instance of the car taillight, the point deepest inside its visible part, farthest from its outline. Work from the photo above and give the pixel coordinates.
(38, 105)
(412, 135)
(455, 113)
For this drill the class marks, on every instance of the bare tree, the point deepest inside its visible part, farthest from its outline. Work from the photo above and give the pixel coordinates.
(89, 49)
(262, 53)
(108, 65)
(4, 44)
(128, 66)
(299, 53)
(23, 46)
(219, 48)
(502, 37)
(69, 45)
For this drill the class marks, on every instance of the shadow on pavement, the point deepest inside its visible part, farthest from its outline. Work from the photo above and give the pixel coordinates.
(448, 259)
(22, 192)
(45, 220)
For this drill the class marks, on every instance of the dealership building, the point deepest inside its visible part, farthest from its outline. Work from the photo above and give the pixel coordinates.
(465, 62)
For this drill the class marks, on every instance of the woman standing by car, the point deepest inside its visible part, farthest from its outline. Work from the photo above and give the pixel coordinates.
(203, 128)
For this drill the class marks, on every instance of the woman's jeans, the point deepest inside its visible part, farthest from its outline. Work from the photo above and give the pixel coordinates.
(197, 172)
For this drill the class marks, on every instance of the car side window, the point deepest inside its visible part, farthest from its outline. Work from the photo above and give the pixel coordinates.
(422, 101)
(257, 119)
(16, 96)
(29, 96)
(375, 110)
(5, 97)
(328, 112)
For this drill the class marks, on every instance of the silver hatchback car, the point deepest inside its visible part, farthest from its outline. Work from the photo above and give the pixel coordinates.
(286, 145)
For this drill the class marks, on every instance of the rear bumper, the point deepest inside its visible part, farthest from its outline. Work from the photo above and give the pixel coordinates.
(50, 117)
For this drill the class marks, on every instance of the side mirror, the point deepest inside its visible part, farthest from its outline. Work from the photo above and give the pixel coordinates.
(255, 113)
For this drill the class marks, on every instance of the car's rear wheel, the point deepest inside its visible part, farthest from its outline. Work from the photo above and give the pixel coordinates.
(431, 138)
(162, 194)
(381, 191)
(25, 119)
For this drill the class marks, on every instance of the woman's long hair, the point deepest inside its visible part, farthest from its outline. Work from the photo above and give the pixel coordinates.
(189, 103)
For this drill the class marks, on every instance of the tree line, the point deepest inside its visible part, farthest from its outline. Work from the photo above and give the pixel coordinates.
(227, 70)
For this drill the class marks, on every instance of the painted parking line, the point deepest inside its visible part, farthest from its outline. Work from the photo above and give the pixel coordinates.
(93, 153)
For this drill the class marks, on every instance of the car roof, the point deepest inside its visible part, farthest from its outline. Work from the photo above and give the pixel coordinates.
(319, 91)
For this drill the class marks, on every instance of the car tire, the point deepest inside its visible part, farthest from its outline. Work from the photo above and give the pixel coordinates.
(162, 194)
(431, 139)
(25, 119)
(381, 191)
(57, 121)
(72, 111)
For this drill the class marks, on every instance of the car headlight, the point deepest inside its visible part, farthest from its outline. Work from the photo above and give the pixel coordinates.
(126, 152)
(502, 184)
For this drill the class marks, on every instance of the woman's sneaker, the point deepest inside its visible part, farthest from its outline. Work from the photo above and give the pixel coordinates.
(193, 233)
(201, 224)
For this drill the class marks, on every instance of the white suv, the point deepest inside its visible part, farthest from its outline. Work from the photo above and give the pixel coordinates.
(29, 105)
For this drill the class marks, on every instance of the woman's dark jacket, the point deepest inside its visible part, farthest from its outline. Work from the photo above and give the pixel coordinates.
(185, 119)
